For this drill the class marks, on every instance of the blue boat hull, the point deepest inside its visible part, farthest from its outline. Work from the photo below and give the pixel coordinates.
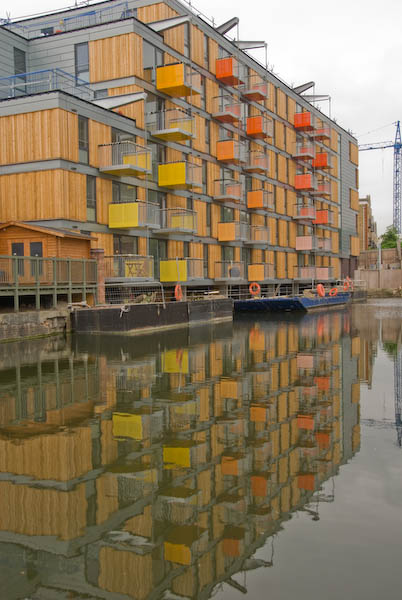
(293, 303)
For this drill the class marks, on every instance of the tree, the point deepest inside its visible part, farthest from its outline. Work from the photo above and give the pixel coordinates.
(390, 237)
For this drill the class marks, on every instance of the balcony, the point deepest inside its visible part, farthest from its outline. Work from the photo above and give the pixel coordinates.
(181, 270)
(232, 231)
(322, 160)
(123, 267)
(257, 162)
(304, 151)
(125, 159)
(254, 88)
(227, 109)
(313, 243)
(304, 121)
(228, 71)
(257, 236)
(229, 270)
(260, 200)
(313, 273)
(45, 80)
(228, 190)
(181, 175)
(231, 151)
(178, 80)
(306, 182)
(260, 127)
(305, 211)
(129, 215)
(173, 125)
(321, 133)
(323, 188)
(324, 217)
(261, 272)
(178, 220)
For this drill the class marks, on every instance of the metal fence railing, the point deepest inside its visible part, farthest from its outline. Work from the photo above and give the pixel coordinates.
(46, 80)
(129, 266)
(126, 154)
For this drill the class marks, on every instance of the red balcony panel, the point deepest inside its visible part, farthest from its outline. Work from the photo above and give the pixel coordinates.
(304, 121)
(305, 181)
(227, 71)
(322, 161)
(323, 217)
(259, 127)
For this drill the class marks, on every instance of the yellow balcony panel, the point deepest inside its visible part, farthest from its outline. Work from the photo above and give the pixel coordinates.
(128, 425)
(173, 125)
(175, 361)
(261, 272)
(182, 175)
(178, 80)
(127, 215)
(125, 159)
(177, 270)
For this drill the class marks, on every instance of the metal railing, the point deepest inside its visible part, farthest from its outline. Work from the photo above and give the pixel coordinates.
(36, 276)
(304, 150)
(60, 24)
(227, 109)
(264, 270)
(313, 273)
(322, 188)
(129, 266)
(178, 219)
(257, 162)
(254, 88)
(260, 126)
(229, 270)
(314, 243)
(231, 151)
(257, 234)
(305, 210)
(126, 154)
(228, 189)
(46, 80)
(171, 121)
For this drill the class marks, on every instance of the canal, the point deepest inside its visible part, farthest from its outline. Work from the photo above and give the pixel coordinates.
(261, 458)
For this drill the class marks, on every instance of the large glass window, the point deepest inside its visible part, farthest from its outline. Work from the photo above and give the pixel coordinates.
(187, 39)
(206, 51)
(227, 253)
(157, 249)
(83, 140)
(125, 244)
(81, 55)
(91, 198)
(151, 58)
(20, 68)
(123, 193)
(227, 214)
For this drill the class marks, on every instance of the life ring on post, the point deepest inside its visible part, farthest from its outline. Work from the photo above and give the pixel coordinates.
(333, 292)
(346, 285)
(254, 288)
(178, 292)
(320, 290)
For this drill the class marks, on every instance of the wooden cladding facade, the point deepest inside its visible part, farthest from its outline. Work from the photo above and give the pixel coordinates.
(115, 57)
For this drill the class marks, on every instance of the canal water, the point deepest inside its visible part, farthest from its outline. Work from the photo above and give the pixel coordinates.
(261, 458)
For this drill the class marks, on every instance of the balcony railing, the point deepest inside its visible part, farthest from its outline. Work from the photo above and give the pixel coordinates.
(178, 80)
(260, 200)
(178, 219)
(122, 267)
(260, 127)
(304, 151)
(231, 151)
(306, 182)
(59, 24)
(125, 159)
(46, 80)
(305, 211)
(313, 243)
(323, 161)
(313, 273)
(232, 231)
(181, 270)
(254, 88)
(304, 121)
(181, 175)
(323, 244)
(257, 162)
(229, 271)
(227, 109)
(129, 215)
(257, 235)
(322, 188)
(229, 71)
(261, 272)
(324, 217)
(228, 190)
(321, 133)
(173, 125)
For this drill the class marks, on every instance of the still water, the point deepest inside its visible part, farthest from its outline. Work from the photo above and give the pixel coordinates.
(261, 458)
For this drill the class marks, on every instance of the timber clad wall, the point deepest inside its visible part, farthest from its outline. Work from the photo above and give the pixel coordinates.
(42, 178)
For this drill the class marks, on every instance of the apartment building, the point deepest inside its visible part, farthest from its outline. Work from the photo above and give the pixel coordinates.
(142, 125)
(367, 225)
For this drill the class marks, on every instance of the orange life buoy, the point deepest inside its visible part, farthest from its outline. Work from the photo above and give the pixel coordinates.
(254, 288)
(320, 290)
(333, 292)
(346, 285)
(178, 292)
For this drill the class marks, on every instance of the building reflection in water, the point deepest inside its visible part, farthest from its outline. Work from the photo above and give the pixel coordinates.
(155, 467)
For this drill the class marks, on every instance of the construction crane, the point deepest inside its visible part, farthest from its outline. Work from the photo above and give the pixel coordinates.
(397, 146)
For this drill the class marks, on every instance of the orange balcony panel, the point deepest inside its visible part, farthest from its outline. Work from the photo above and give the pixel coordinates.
(232, 548)
(305, 422)
(258, 127)
(323, 440)
(304, 121)
(259, 486)
(322, 383)
(306, 482)
(230, 465)
(260, 199)
(227, 232)
(227, 71)
(305, 181)
(230, 151)
(323, 217)
(321, 161)
(258, 414)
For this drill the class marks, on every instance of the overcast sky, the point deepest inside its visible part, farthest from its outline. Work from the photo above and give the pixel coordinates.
(352, 49)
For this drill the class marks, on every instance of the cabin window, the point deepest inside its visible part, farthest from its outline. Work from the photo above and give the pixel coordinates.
(36, 249)
(91, 198)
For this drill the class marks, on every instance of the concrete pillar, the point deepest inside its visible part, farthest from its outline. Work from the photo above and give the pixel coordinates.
(99, 255)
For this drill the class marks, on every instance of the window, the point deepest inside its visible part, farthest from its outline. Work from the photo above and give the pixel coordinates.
(100, 93)
(246, 257)
(19, 61)
(248, 183)
(206, 51)
(158, 157)
(36, 249)
(187, 39)
(151, 58)
(81, 55)
(189, 203)
(227, 214)
(91, 198)
(227, 253)
(157, 249)
(158, 198)
(83, 140)
(203, 93)
(208, 219)
(123, 193)
(121, 136)
(225, 134)
(205, 259)
(207, 136)
(204, 176)
(186, 249)
(125, 244)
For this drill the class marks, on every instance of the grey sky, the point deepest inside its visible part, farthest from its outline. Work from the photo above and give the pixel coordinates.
(351, 49)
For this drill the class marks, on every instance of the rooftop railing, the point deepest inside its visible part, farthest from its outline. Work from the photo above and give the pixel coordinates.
(46, 80)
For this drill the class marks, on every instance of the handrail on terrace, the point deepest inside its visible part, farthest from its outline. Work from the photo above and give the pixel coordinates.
(44, 80)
